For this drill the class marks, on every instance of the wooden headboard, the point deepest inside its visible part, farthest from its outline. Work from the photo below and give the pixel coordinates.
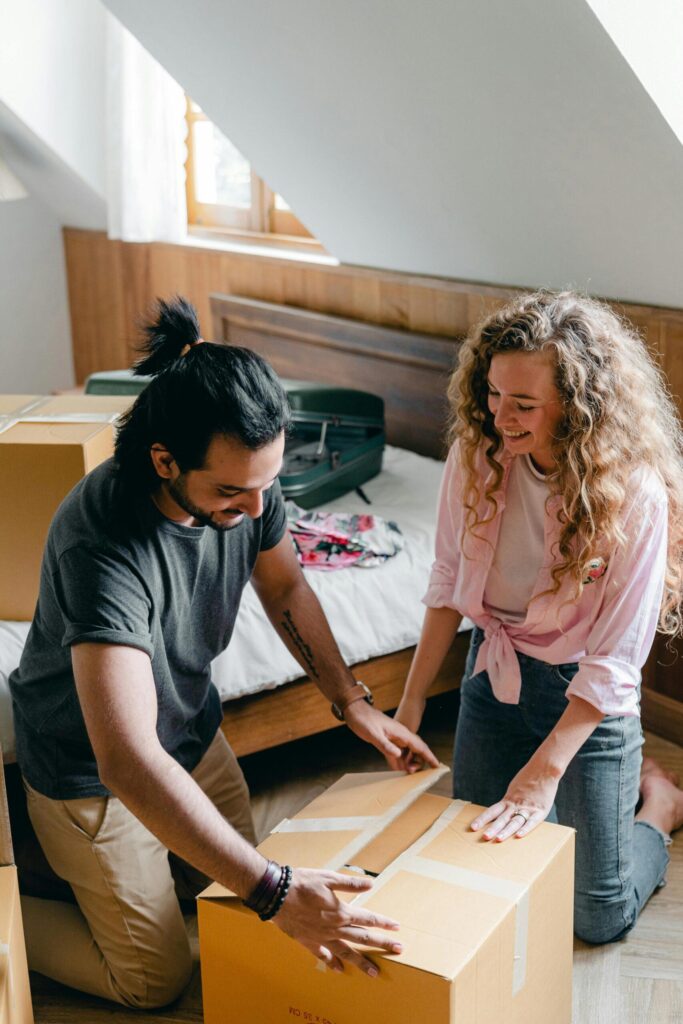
(409, 371)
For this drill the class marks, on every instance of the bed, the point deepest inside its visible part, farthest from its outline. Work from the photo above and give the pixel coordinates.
(375, 614)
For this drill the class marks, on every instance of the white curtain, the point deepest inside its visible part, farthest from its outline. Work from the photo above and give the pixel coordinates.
(146, 131)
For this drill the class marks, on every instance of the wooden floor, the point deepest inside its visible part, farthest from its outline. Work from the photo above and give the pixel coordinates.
(637, 981)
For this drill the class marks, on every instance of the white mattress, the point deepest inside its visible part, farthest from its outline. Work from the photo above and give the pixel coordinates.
(371, 611)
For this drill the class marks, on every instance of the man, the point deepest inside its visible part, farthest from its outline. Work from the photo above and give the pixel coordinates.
(117, 720)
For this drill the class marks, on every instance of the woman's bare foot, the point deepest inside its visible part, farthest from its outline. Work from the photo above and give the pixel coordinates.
(662, 804)
(652, 767)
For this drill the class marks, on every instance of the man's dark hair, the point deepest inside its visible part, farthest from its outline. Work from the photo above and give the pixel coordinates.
(198, 390)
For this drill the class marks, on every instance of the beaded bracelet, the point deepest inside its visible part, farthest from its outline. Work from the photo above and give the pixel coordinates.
(265, 892)
(280, 895)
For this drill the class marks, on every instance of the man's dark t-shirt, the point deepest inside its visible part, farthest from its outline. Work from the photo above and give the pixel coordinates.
(169, 590)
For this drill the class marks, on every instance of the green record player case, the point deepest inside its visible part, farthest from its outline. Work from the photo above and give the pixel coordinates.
(335, 443)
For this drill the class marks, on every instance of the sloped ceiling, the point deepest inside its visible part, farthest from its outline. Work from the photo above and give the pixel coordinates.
(65, 192)
(52, 104)
(490, 141)
(650, 36)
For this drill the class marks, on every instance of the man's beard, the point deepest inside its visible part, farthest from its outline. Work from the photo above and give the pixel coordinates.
(178, 492)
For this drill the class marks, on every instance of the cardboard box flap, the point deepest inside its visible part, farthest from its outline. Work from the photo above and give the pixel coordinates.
(70, 405)
(76, 434)
(400, 834)
(22, 410)
(453, 875)
(443, 925)
(514, 861)
(13, 403)
(346, 817)
(370, 794)
(343, 820)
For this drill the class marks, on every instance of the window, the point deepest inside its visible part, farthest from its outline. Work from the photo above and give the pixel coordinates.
(224, 193)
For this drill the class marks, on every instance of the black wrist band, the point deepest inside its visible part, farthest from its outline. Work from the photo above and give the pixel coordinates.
(280, 895)
(262, 896)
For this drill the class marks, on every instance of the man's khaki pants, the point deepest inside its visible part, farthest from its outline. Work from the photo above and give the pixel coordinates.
(126, 939)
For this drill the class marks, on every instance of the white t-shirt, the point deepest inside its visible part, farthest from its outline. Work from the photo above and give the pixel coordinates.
(519, 552)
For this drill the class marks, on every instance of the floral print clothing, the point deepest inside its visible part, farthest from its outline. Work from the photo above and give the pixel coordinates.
(335, 540)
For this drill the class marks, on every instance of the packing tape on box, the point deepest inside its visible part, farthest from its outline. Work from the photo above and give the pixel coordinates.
(28, 414)
(370, 826)
(326, 824)
(517, 892)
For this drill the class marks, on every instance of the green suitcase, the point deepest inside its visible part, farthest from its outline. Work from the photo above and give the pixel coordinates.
(115, 382)
(335, 444)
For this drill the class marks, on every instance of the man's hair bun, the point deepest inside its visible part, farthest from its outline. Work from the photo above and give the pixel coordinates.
(170, 327)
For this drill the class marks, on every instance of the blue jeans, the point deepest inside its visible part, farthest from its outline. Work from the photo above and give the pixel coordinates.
(619, 862)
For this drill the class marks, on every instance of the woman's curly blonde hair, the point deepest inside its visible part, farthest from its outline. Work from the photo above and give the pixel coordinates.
(618, 416)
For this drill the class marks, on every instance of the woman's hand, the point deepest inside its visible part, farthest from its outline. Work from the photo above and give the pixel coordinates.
(410, 712)
(314, 916)
(528, 801)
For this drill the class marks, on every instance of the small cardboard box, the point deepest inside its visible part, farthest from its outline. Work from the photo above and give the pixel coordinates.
(46, 446)
(486, 929)
(15, 994)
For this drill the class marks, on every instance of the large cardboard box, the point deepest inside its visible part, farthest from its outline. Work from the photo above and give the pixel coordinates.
(46, 446)
(486, 929)
(15, 994)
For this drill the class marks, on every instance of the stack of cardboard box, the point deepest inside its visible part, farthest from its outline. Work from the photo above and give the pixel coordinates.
(46, 446)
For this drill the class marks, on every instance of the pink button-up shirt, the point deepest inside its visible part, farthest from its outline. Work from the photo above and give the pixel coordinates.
(608, 631)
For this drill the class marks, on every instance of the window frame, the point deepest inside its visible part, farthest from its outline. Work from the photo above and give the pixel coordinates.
(262, 222)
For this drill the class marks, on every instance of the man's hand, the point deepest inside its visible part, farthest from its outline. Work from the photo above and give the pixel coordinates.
(403, 750)
(316, 918)
(528, 801)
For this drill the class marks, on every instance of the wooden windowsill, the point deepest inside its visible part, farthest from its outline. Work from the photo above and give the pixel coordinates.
(254, 243)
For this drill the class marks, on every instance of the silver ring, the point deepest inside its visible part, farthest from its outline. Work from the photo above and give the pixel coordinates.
(519, 814)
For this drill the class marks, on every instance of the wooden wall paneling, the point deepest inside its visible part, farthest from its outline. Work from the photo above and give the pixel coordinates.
(664, 669)
(662, 715)
(112, 283)
(96, 302)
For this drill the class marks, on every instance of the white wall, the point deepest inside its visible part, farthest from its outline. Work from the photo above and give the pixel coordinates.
(52, 77)
(497, 141)
(35, 340)
(52, 110)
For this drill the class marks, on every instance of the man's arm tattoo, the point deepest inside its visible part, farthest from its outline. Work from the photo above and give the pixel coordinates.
(302, 647)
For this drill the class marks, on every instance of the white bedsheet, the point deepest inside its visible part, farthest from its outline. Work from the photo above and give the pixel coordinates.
(371, 611)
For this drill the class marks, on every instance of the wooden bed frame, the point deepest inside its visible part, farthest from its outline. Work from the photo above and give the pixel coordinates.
(410, 371)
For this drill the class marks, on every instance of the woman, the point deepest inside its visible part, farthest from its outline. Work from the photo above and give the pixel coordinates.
(560, 534)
